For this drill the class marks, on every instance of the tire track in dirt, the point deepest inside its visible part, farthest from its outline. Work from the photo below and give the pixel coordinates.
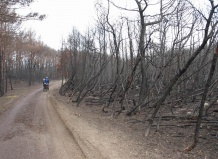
(88, 149)
(32, 129)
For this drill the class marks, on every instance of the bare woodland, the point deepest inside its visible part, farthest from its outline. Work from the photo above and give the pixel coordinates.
(160, 65)
(22, 56)
(157, 60)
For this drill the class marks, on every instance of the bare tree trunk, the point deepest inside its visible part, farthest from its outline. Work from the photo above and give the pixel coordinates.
(1, 73)
(130, 46)
(207, 36)
(201, 107)
(142, 6)
(30, 72)
(6, 77)
(142, 53)
(10, 80)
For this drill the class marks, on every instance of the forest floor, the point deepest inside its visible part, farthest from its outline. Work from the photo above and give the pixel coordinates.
(20, 89)
(122, 138)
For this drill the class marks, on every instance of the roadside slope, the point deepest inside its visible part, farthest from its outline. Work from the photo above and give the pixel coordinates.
(122, 138)
(102, 134)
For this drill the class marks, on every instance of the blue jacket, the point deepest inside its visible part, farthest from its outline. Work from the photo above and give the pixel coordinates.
(46, 80)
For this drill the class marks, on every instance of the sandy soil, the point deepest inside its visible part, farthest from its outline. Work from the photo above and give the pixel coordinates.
(31, 128)
(37, 124)
(123, 137)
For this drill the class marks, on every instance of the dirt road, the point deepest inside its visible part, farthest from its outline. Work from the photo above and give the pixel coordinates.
(44, 125)
(37, 126)
(32, 129)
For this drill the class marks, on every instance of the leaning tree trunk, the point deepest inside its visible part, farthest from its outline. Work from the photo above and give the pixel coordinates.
(158, 104)
(204, 96)
(207, 36)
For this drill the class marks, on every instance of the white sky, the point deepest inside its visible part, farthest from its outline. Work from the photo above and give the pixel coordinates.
(62, 16)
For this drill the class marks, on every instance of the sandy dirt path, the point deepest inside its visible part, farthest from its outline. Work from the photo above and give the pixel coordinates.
(32, 129)
(44, 125)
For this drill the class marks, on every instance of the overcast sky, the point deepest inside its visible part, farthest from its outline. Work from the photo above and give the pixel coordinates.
(61, 17)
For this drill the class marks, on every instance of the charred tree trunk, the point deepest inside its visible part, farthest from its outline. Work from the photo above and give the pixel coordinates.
(207, 36)
(30, 72)
(204, 96)
(1, 73)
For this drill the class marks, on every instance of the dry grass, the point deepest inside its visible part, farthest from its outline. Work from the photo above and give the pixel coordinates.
(20, 89)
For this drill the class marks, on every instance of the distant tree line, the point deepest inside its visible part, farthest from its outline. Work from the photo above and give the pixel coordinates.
(22, 57)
